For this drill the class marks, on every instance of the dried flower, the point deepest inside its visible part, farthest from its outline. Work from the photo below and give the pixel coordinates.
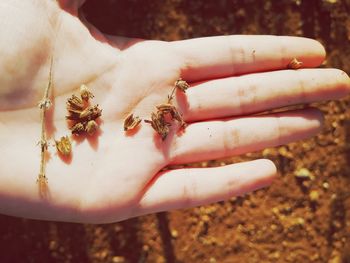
(167, 108)
(91, 127)
(295, 64)
(158, 119)
(159, 124)
(131, 122)
(85, 93)
(64, 146)
(181, 85)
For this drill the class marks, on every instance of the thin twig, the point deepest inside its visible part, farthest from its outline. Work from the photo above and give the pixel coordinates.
(44, 105)
(171, 96)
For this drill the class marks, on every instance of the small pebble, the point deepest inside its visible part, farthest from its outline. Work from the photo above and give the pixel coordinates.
(314, 196)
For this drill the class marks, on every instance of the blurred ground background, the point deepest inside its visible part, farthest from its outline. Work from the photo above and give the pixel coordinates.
(303, 217)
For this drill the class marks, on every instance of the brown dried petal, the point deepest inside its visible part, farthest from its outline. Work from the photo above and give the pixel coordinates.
(131, 122)
(64, 145)
(295, 64)
(85, 93)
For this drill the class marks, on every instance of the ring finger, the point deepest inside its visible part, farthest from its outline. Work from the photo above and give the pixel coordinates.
(222, 138)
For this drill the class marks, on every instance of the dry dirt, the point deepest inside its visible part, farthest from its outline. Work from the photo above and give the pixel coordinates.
(295, 220)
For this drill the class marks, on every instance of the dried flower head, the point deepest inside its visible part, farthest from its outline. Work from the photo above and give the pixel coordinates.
(167, 108)
(91, 127)
(85, 93)
(158, 119)
(181, 85)
(295, 64)
(82, 114)
(131, 122)
(159, 124)
(64, 146)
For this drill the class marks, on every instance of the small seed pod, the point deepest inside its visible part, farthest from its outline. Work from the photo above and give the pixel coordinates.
(131, 122)
(91, 127)
(64, 146)
(295, 64)
(166, 108)
(75, 103)
(182, 85)
(159, 124)
(85, 93)
(78, 128)
(90, 113)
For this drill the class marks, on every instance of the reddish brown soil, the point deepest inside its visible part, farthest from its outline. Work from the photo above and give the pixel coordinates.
(278, 224)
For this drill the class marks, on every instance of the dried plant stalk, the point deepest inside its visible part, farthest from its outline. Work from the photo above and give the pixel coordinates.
(44, 105)
(168, 108)
(295, 64)
(131, 122)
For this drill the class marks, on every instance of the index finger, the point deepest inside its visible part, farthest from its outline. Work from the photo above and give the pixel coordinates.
(222, 56)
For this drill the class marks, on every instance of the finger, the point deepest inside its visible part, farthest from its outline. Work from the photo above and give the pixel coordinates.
(214, 57)
(71, 6)
(216, 139)
(191, 187)
(262, 91)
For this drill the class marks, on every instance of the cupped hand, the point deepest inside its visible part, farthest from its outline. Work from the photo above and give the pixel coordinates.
(115, 175)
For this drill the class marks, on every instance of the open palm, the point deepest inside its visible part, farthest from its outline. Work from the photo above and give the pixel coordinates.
(115, 175)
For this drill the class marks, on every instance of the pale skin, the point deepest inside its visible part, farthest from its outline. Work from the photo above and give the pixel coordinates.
(115, 175)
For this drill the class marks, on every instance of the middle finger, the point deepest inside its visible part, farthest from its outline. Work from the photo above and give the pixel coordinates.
(259, 92)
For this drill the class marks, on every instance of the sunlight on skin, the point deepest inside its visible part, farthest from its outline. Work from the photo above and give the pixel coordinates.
(113, 176)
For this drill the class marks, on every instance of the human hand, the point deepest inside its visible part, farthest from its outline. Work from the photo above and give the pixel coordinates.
(113, 175)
